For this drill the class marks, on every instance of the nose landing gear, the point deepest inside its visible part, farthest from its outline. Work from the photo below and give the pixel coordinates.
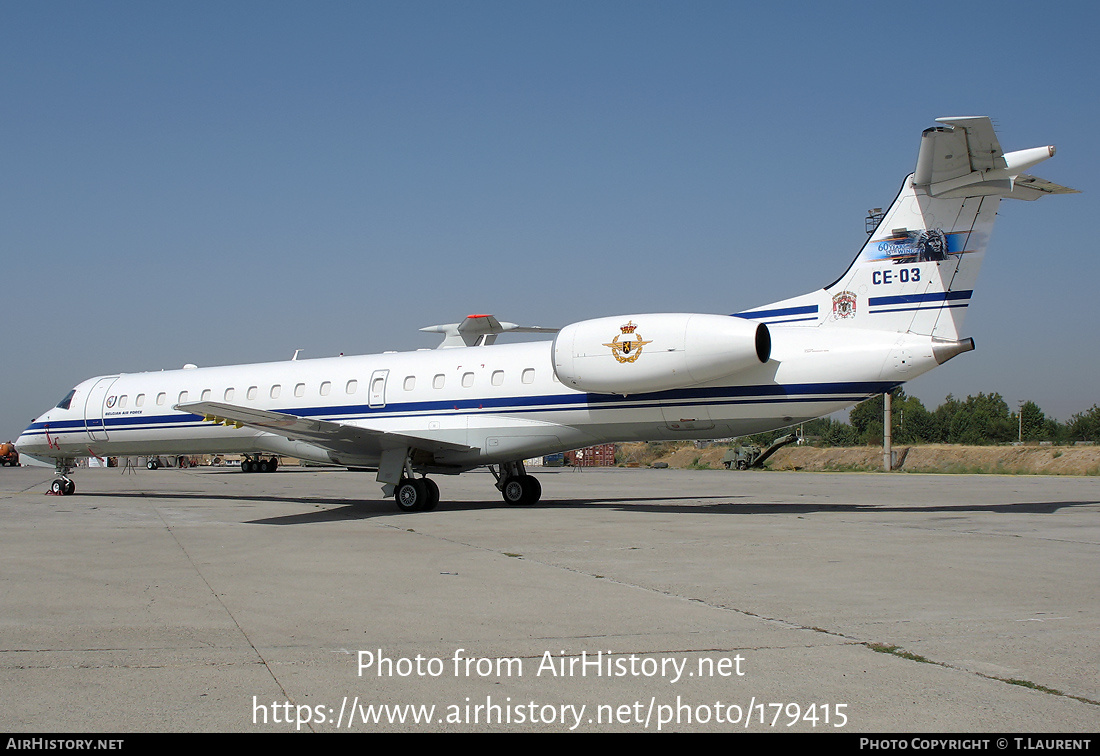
(62, 484)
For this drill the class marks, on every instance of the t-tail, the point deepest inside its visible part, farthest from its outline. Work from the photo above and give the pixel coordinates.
(917, 271)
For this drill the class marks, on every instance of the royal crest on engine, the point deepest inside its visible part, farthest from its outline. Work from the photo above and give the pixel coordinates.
(630, 348)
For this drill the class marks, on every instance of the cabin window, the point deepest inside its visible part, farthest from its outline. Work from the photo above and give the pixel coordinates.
(275, 391)
(228, 395)
(528, 375)
(122, 401)
(326, 387)
(438, 381)
(353, 385)
(139, 400)
(498, 377)
(300, 390)
(410, 382)
(467, 380)
(253, 392)
(161, 399)
(182, 398)
(205, 395)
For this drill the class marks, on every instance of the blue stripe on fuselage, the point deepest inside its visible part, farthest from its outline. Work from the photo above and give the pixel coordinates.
(688, 397)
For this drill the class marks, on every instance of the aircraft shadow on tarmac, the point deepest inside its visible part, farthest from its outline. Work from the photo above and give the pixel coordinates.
(330, 509)
(363, 510)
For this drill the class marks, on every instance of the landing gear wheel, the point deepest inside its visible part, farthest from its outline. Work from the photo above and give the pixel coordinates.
(535, 489)
(62, 487)
(433, 494)
(411, 494)
(521, 490)
(152, 464)
(259, 465)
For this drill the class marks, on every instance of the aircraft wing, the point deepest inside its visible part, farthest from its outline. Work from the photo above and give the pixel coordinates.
(477, 330)
(341, 437)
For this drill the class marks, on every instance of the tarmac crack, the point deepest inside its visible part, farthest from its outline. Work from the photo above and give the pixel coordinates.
(787, 624)
(899, 652)
(228, 612)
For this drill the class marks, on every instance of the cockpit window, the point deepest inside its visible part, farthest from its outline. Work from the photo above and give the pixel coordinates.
(64, 403)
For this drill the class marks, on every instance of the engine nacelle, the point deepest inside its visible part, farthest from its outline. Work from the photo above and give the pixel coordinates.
(635, 354)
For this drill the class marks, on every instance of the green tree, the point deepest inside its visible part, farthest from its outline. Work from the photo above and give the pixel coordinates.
(942, 418)
(910, 422)
(833, 432)
(866, 420)
(981, 419)
(1031, 422)
(1084, 426)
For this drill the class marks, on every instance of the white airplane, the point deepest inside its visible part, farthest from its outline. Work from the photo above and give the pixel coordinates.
(896, 313)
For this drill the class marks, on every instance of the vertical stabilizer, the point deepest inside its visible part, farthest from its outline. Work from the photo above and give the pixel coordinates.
(917, 271)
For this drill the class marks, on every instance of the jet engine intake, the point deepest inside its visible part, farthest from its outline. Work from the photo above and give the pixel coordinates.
(634, 354)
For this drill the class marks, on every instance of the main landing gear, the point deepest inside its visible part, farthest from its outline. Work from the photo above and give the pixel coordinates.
(259, 464)
(515, 485)
(416, 495)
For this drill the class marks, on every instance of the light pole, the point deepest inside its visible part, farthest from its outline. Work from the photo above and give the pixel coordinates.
(887, 451)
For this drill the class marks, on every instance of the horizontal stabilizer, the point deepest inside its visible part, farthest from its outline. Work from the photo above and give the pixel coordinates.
(964, 159)
(479, 330)
(341, 437)
(1032, 188)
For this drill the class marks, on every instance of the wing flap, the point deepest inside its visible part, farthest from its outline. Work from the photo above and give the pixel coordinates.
(342, 437)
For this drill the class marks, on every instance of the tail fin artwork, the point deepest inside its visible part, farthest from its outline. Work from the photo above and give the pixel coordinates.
(917, 270)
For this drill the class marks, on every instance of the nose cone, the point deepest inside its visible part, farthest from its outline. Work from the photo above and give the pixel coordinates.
(33, 440)
(23, 444)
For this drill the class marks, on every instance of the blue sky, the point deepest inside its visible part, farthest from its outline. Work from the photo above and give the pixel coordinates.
(217, 183)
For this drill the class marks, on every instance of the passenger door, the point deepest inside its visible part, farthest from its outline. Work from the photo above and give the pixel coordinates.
(94, 408)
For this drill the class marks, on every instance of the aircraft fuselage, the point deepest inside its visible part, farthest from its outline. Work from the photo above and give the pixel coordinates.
(504, 401)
